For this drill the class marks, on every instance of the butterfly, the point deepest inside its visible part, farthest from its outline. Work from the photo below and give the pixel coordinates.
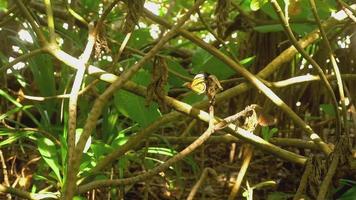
(200, 81)
(198, 84)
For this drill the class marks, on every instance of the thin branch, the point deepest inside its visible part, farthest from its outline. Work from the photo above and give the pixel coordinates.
(50, 21)
(306, 79)
(26, 195)
(324, 188)
(334, 65)
(350, 10)
(251, 78)
(295, 43)
(304, 181)
(203, 177)
(178, 157)
(61, 96)
(246, 162)
(103, 98)
(33, 23)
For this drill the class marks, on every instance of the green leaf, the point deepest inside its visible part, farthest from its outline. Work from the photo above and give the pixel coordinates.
(48, 151)
(99, 149)
(203, 61)
(13, 136)
(257, 4)
(133, 106)
(192, 98)
(328, 109)
(267, 133)
(177, 68)
(3, 5)
(161, 151)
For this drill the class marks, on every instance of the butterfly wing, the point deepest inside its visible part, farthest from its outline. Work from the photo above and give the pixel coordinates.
(198, 84)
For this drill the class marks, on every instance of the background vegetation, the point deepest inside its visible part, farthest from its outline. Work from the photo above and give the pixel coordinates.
(94, 102)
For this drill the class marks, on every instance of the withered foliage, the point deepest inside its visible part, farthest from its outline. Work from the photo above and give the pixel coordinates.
(134, 11)
(101, 44)
(221, 16)
(155, 89)
(213, 87)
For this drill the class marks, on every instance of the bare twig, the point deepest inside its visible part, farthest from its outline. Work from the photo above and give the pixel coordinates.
(334, 65)
(33, 23)
(102, 99)
(252, 79)
(203, 177)
(304, 181)
(21, 58)
(246, 162)
(295, 43)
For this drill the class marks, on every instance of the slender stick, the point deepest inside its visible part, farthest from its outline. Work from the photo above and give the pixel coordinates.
(334, 65)
(295, 43)
(246, 162)
(33, 23)
(254, 80)
(203, 177)
(103, 98)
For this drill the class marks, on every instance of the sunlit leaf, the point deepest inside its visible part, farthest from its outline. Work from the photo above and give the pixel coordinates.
(48, 151)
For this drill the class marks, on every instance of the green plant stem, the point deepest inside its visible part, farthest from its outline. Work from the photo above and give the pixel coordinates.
(300, 49)
(253, 80)
(50, 21)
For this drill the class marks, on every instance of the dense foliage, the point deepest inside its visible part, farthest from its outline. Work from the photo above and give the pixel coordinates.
(140, 99)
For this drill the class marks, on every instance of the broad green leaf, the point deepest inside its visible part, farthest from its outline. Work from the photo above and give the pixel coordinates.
(134, 107)
(3, 5)
(78, 133)
(99, 149)
(203, 61)
(192, 98)
(42, 70)
(173, 79)
(48, 151)
(328, 109)
(267, 133)
(257, 4)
